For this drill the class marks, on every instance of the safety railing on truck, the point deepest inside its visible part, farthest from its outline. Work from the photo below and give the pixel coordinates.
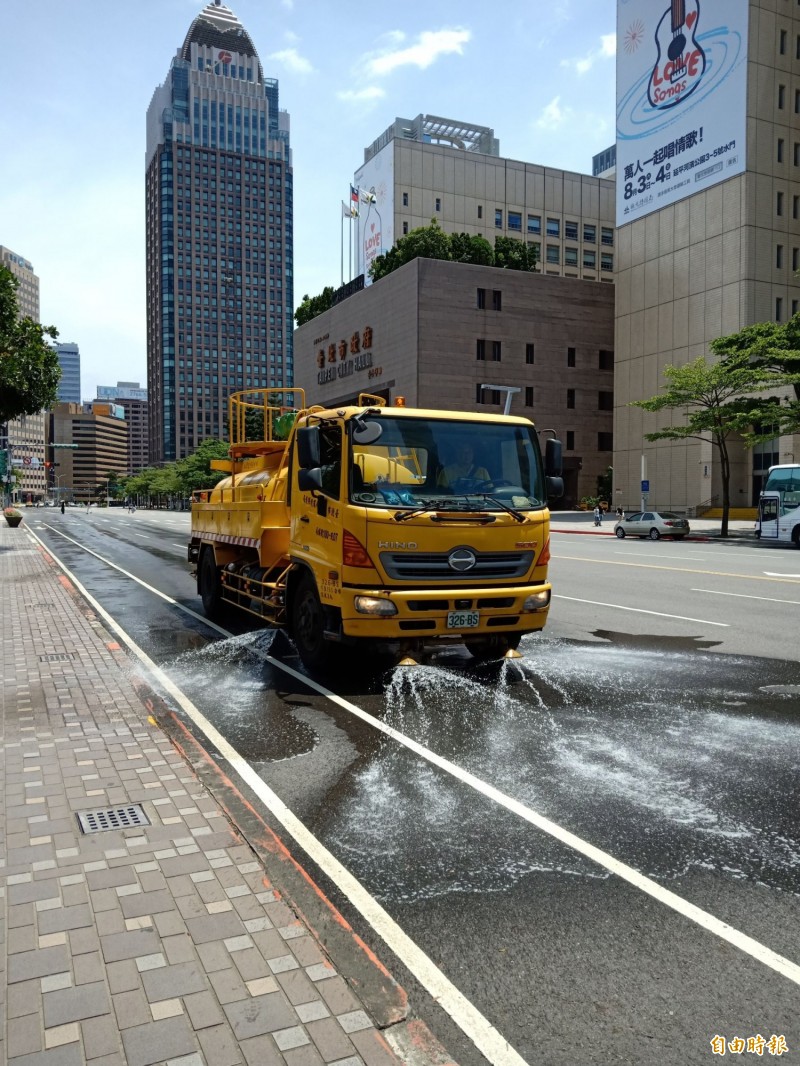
(258, 418)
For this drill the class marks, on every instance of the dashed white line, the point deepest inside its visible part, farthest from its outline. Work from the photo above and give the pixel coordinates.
(743, 596)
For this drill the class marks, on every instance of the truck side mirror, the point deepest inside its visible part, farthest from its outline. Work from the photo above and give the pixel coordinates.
(309, 479)
(555, 488)
(552, 459)
(308, 447)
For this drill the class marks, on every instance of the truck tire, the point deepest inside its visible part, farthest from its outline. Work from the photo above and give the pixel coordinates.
(210, 586)
(308, 626)
(484, 649)
(796, 536)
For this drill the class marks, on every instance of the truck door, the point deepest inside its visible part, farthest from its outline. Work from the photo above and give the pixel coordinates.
(768, 513)
(316, 517)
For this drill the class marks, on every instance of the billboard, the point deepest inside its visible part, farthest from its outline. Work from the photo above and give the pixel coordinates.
(374, 227)
(681, 100)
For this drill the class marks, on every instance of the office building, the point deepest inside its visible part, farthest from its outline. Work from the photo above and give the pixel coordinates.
(431, 167)
(96, 439)
(708, 238)
(437, 332)
(132, 398)
(219, 201)
(23, 438)
(69, 358)
(123, 390)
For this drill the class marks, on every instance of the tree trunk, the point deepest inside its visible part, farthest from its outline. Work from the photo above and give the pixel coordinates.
(725, 471)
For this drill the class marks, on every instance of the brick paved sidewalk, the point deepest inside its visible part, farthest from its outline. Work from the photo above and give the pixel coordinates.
(159, 944)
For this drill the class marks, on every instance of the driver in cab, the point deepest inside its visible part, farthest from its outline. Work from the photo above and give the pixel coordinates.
(464, 467)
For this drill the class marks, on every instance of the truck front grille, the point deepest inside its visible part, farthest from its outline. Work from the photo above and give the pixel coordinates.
(433, 566)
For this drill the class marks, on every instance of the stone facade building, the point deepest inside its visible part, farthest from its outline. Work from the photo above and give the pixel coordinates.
(437, 332)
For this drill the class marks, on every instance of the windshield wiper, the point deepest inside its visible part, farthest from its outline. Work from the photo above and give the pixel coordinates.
(518, 515)
(431, 505)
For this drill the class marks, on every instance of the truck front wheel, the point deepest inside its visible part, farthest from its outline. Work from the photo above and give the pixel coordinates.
(308, 626)
(210, 586)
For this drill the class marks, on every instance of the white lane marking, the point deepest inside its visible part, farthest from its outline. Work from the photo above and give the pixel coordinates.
(711, 924)
(742, 596)
(181, 546)
(661, 555)
(791, 577)
(640, 610)
(480, 1031)
(144, 536)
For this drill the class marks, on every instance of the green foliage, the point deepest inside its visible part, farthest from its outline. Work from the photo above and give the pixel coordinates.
(179, 479)
(29, 368)
(512, 254)
(716, 400)
(311, 306)
(471, 248)
(774, 349)
(605, 484)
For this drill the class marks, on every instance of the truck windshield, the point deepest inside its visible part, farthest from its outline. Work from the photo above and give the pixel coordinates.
(460, 466)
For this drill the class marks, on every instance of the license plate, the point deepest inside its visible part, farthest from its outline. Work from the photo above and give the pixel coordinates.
(463, 619)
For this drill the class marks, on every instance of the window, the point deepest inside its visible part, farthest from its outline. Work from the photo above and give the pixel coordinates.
(605, 401)
(570, 357)
(781, 97)
(795, 206)
(779, 204)
(571, 398)
(589, 260)
(605, 360)
(515, 220)
(481, 299)
(535, 221)
(782, 43)
(553, 253)
(405, 199)
(605, 442)
(606, 235)
(570, 440)
(794, 307)
(331, 455)
(480, 211)
(496, 351)
(529, 354)
(571, 231)
(405, 228)
(589, 234)
(796, 154)
(480, 349)
(780, 149)
(778, 308)
(529, 395)
(438, 203)
(489, 396)
(497, 300)
(797, 101)
(779, 257)
(498, 218)
(553, 227)
(571, 257)
(606, 261)
(795, 258)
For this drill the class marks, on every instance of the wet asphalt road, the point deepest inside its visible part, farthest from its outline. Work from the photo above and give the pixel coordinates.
(658, 719)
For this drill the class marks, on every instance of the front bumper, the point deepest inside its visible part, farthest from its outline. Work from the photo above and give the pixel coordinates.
(422, 614)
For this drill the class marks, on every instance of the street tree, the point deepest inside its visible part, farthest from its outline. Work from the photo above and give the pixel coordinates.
(194, 472)
(775, 348)
(29, 368)
(512, 254)
(471, 248)
(717, 400)
(426, 242)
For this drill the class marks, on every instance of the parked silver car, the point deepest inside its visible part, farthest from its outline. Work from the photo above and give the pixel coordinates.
(652, 524)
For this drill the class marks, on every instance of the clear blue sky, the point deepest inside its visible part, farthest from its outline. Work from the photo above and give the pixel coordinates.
(78, 77)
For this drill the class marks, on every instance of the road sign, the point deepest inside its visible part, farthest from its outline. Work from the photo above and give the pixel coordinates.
(645, 486)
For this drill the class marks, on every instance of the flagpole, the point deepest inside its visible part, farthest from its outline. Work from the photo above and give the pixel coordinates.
(350, 254)
(341, 246)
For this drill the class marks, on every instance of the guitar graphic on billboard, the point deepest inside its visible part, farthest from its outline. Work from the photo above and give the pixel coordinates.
(681, 61)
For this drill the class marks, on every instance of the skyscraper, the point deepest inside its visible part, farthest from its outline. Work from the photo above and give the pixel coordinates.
(69, 358)
(219, 235)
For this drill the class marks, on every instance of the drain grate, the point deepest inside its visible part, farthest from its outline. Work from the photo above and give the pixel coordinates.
(112, 818)
(57, 657)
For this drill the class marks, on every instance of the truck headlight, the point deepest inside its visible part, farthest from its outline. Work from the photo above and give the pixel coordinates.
(374, 605)
(537, 602)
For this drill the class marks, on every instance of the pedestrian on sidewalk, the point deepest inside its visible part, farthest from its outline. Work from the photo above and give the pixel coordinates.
(598, 516)
(62, 506)
(620, 514)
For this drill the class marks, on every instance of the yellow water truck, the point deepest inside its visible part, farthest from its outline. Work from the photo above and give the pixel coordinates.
(378, 527)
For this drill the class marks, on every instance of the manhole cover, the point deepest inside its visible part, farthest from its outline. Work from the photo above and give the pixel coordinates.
(57, 657)
(112, 818)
